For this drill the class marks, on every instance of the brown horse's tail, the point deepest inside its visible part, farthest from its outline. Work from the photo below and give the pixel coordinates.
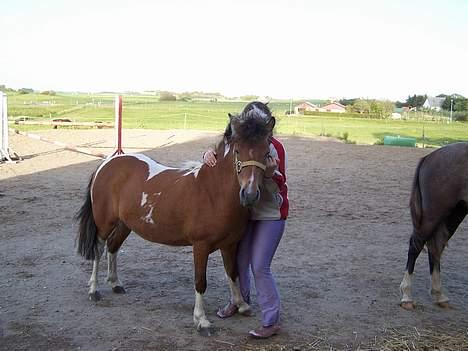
(415, 200)
(87, 232)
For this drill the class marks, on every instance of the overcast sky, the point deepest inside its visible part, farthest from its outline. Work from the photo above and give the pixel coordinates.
(294, 48)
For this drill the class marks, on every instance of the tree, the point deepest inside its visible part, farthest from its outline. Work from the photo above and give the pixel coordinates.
(455, 103)
(361, 106)
(416, 100)
(25, 91)
(347, 102)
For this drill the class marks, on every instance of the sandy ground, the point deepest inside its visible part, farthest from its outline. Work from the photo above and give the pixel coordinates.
(338, 266)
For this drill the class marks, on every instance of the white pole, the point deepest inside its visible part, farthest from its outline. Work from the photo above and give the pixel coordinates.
(5, 125)
(4, 146)
(1, 125)
(451, 109)
(185, 120)
(117, 122)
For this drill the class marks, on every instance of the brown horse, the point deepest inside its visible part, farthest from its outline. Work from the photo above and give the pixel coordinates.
(439, 203)
(205, 207)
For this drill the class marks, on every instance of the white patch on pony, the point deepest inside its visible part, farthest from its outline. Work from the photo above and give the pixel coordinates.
(112, 278)
(227, 148)
(192, 167)
(436, 288)
(149, 216)
(236, 296)
(154, 168)
(157, 194)
(93, 281)
(144, 198)
(199, 317)
(405, 288)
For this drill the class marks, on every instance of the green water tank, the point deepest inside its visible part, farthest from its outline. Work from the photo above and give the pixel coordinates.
(399, 141)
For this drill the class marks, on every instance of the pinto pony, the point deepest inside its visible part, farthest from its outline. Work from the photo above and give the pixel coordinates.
(439, 203)
(206, 207)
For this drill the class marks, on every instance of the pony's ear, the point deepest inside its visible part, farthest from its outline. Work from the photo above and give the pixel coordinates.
(271, 124)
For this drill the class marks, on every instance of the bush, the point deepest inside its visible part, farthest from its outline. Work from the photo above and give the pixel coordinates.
(167, 96)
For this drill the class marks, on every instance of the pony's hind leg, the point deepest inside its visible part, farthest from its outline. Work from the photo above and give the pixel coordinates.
(415, 247)
(114, 242)
(436, 247)
(93, 293)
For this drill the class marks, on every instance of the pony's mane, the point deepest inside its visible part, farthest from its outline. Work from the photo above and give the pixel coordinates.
(250, 126)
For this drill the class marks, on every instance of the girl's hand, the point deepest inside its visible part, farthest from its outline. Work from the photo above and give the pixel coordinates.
(271, 166)
(209, 158)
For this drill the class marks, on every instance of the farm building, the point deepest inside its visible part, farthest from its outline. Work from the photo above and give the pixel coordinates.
(305, 106)
(333, 107)
(433, 103)
(308, 106)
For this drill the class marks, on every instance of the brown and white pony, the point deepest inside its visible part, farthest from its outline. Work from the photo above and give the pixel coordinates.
(206, 207)
(439, 203)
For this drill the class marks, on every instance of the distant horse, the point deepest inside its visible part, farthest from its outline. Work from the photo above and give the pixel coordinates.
(206, 207)
(439, 203)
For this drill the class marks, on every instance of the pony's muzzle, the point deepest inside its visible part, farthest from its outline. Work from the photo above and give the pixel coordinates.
(249, 198)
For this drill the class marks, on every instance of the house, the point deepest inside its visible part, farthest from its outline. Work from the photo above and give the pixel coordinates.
(305, 106)
(433, 103)
(333, 107)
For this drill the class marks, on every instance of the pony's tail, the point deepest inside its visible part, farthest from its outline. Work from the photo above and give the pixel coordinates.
(87, 232)
(415, 200)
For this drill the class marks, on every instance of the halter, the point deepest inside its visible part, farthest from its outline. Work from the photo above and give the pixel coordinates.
(238, 164)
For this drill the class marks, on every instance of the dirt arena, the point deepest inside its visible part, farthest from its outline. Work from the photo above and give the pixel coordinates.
(338, 266)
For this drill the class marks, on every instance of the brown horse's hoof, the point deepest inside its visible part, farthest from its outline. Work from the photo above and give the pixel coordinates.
(409, 306)
(118, 290)
(443, 305)
(96, 296)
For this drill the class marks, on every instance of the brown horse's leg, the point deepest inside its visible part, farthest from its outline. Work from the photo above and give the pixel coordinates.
(229, 259)
(114, 242)
(441, 237)
(200, 257)
(93, 293)
(415, 247)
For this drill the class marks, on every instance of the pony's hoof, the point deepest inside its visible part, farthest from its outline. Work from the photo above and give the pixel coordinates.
(208, 331)
(409, 305)
(118, 290)
(95, 296)
(444, 305)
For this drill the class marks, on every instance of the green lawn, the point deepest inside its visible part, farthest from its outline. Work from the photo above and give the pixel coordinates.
(149, 112)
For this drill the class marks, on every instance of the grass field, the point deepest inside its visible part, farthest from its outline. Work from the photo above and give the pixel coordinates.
(148, 112)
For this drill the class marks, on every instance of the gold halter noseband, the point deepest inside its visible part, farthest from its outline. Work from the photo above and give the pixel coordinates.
(238, 164)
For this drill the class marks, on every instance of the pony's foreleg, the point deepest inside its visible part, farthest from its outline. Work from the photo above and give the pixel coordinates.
(415, 247)
(93, 293)
(200, 255)
(229, 260)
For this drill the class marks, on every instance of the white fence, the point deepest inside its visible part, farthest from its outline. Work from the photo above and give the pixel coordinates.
(4, 147)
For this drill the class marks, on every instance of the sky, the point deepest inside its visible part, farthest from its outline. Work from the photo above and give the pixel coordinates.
(278, 48)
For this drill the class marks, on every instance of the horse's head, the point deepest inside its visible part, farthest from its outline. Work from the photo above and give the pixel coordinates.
(251, 131)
